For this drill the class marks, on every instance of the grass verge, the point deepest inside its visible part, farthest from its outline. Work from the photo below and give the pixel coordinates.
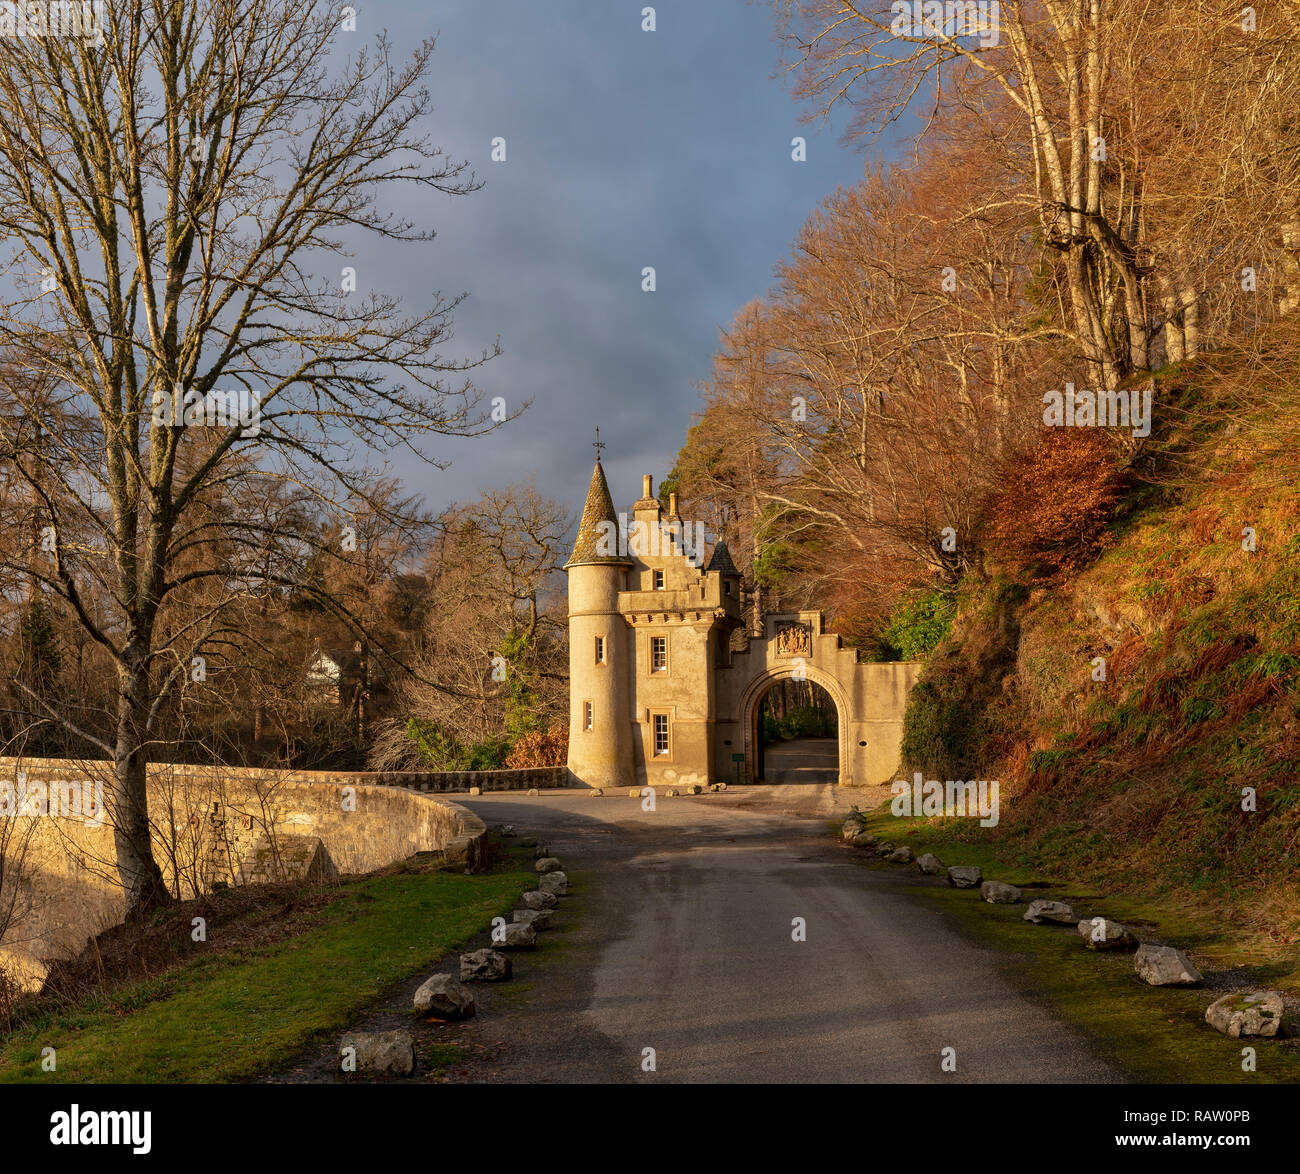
(234, 1016)
(1157, 1035)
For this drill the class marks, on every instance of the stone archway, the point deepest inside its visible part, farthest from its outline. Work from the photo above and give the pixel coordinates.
(752, 698)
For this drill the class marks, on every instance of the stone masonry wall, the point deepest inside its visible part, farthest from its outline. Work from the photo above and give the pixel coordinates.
(206, 823)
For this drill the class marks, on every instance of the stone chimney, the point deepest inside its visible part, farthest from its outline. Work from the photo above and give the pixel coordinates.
(647, 509)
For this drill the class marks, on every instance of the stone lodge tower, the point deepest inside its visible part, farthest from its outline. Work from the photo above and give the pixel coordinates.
(657, 694)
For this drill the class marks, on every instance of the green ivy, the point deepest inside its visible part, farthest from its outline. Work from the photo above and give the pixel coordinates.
(803, 721)
(918, 624)
(442, 751)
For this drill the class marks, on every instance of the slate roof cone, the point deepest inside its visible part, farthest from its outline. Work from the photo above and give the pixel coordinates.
(721, 561)
(598, 508)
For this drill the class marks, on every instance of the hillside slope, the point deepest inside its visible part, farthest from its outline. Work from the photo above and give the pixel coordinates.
(1144, 780)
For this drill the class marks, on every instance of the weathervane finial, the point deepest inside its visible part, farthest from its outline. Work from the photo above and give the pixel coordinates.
(599, 444)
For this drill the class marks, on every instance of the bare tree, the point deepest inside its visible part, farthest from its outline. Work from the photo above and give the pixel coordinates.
(857, 415)
(16, 834)
(1157, 140)
(167, 194)
(494, 640)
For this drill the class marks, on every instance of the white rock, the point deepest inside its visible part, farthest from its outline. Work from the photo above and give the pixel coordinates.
(1165, 966)
(548, 864)
(554, 882)
(964, 876)
(1247, 1014)
(537, 918)
(901, 855)
(377, 1053)
(1050, 912)
(929, 864)
(442, 996)
(536, 899)
(484, 966)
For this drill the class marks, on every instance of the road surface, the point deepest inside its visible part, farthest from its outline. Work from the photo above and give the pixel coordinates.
(679, 938)
(804, 760)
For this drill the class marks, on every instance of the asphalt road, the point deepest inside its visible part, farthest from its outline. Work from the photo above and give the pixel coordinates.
(805, 760)
(678, 937)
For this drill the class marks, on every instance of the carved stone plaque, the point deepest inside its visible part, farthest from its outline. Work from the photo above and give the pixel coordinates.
(793, 640)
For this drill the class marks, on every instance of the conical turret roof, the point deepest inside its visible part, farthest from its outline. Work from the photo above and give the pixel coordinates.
(598, 508)
(720, 560)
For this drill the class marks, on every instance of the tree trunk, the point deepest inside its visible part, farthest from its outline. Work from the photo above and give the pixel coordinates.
(1103, 370)
(1135, 313)
(1290, 268)
(1175, 349)
(1191, 322)
(142, 880)
(363, 692)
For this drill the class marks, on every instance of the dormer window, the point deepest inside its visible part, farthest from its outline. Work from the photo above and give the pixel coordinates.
(658, 580)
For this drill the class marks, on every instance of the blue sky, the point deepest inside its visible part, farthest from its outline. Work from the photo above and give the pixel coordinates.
(625, 149)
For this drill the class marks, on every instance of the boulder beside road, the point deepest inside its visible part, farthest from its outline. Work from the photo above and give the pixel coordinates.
(485, 966)
(1254, 1013)
(1100, 934)
(556, 883)
(1050, 913)
(1000, 893)
(929, 864)
(377, 1053)
(443, 997)
(1165, 966)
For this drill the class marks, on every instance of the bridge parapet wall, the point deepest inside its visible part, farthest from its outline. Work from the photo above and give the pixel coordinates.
(207, 821)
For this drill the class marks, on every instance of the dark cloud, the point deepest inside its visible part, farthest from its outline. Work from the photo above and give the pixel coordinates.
(625, 149)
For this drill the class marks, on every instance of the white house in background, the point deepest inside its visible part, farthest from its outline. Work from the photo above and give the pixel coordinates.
(333, 671)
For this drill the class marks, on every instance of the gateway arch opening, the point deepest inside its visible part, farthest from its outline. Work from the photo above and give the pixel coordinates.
(796, 735)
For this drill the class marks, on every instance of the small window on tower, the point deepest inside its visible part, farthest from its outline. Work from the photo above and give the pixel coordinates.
(659, 580)
(600, 649)
(658, 654)
(586, 715)
(726, 586)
